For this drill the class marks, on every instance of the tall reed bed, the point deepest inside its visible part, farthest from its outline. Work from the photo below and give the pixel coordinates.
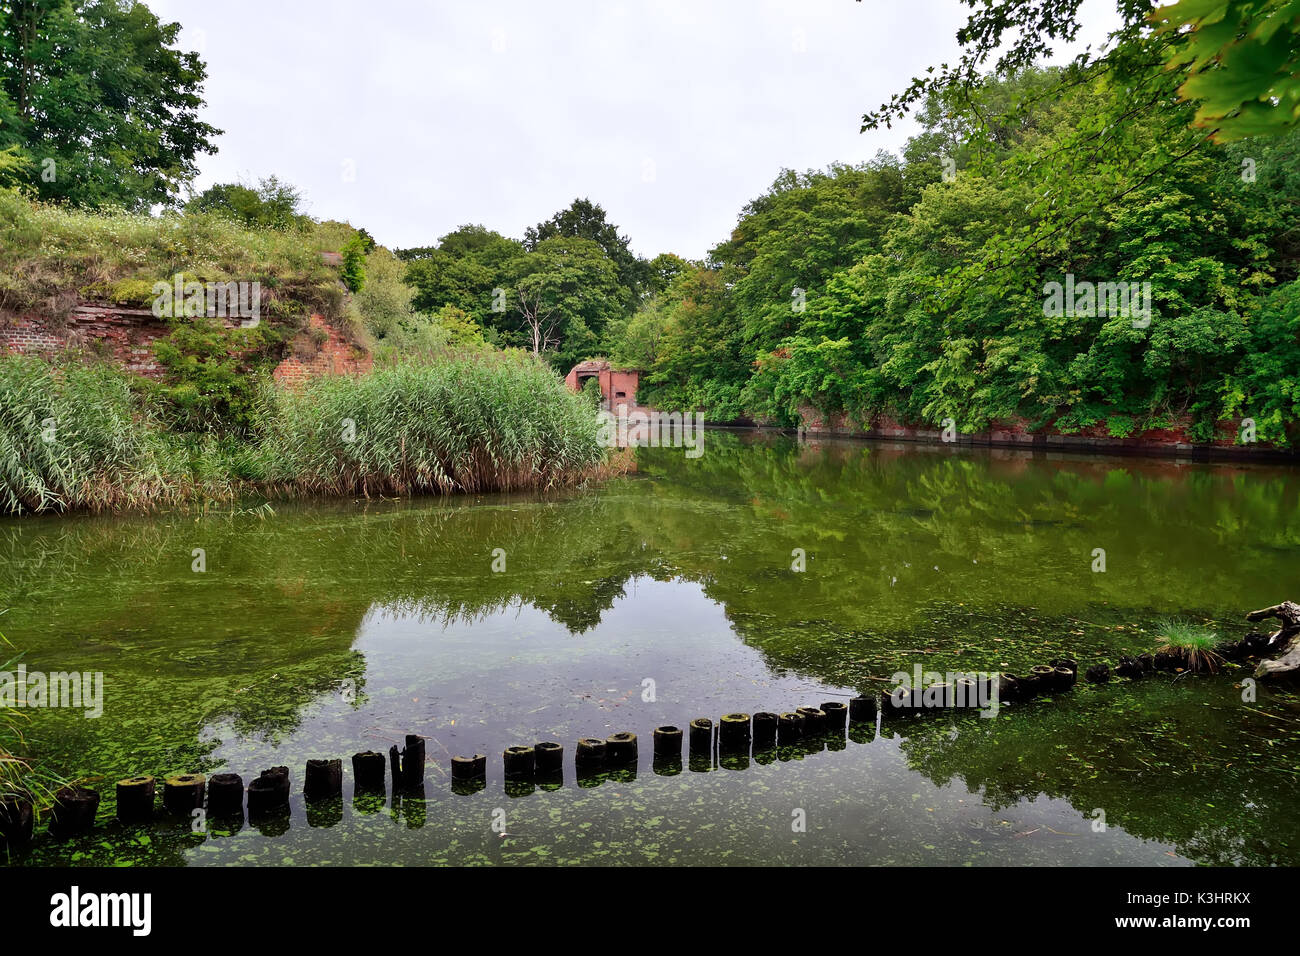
(75, 436)
(69, 435)
(480, 422)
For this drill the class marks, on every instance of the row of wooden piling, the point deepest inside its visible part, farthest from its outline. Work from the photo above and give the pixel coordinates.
(224, 795)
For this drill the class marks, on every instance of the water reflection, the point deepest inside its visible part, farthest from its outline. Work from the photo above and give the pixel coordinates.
(333, 628)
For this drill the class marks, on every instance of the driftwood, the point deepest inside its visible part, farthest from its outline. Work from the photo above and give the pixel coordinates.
(1286, 638)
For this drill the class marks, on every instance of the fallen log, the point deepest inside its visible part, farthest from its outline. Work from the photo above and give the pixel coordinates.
(1286, 638)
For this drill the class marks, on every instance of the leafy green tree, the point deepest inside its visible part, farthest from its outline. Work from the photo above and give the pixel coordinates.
(94, 94)
(563, 294)
(354, 263)
(584, 219)
(465, 270)
(272, 204)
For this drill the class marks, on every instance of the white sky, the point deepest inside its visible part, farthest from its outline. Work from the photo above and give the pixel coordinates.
(412, 118)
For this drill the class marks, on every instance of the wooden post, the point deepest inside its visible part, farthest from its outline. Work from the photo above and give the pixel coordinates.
(225, 795)
(368, 771)
(667, 742)
(135, 799)
(183, 794)
(74, 811)
(621, 749)
(520, 762)
(323, 779)
(16, 822)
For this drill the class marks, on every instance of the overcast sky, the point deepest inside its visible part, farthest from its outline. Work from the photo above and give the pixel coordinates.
(412, 118)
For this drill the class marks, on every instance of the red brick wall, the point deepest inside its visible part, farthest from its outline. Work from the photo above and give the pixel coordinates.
(337, 356)
(612, 381)
(129, 335)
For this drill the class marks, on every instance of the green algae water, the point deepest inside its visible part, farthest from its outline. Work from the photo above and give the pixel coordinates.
(478, 623)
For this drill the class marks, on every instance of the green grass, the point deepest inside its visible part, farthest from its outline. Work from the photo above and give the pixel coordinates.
(474, 423)
(1193, 644)
(52, 255)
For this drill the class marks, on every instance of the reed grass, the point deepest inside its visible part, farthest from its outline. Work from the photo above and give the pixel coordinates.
(76, 436)
(475, 423)
(1192, 643)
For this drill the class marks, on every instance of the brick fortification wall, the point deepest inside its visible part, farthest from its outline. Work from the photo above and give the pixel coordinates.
(1173, 441)
(337, 356)
(128, 335)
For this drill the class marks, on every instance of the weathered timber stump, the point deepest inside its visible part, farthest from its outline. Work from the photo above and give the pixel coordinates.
(16, 821)
(225, 795)
(183, 793)
(323, 779)
(269, 794)
(408, 764)
(1286, 639)
(519, 762)
(548, 757)
(74, 811)
(621, 749)
(765, 723)
(368, 770)
(668, 742)
(135, 799)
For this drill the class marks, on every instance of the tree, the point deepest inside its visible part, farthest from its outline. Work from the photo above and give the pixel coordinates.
(92, 92)
(1237, 60)
(273, 204)
(354, 263)
(1242, 60)
(584, 219)
(565, 290)
(465, 270)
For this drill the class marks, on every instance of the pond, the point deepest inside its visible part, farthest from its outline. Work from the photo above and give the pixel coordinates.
(330, 628)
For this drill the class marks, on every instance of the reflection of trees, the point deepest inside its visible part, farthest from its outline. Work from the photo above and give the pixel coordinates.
(1154, 757)
(1011, 532)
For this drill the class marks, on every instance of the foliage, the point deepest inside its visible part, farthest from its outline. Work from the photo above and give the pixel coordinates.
(1192, 644)
(587, 220)
(76, 435)
(354, 263)
(67, 434)
(1242, 58)
(558, 293)
(210, 382)
(489, 422)
(96, 95)
(272, 203)
(48, 252)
